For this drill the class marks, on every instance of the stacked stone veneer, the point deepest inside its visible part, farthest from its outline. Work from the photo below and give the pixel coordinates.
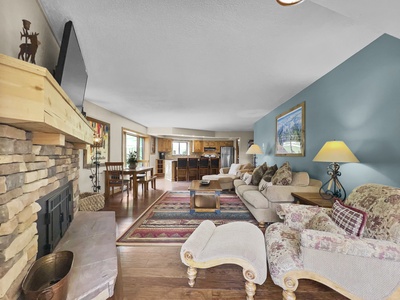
(27, 173)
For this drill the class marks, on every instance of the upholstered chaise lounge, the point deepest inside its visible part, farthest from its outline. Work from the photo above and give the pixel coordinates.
(226, 176)
(239, 243)
(330, 245)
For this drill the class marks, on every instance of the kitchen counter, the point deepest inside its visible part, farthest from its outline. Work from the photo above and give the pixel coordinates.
(170, 168)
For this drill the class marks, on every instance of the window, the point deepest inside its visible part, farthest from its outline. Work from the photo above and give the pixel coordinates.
(180, 148)
(132, 143)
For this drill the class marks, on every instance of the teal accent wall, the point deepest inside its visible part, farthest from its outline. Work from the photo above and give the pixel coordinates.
(357, 102)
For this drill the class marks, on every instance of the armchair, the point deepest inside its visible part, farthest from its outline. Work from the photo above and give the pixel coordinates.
(310, 245)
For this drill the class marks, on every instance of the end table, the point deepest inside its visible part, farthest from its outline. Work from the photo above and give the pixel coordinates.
(311, 199)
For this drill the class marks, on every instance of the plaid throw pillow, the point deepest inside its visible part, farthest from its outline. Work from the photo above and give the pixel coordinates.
(351, 219)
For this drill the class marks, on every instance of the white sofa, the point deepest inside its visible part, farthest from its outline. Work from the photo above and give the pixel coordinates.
(262, 200)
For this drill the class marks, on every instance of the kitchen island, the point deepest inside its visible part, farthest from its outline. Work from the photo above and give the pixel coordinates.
(170, 169)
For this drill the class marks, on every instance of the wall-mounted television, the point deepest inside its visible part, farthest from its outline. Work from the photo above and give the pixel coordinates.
(70, 71)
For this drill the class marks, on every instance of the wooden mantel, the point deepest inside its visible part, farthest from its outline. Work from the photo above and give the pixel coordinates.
(31, 99)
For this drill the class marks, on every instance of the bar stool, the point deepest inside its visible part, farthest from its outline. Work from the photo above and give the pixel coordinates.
(214, 165)
(204, 166)
(193, 168)
(182, 169)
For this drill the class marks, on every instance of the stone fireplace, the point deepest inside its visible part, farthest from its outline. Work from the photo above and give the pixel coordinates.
(41, 132)
(28, 172)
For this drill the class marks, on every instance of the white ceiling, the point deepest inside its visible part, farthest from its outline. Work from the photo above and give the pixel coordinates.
(217, 65)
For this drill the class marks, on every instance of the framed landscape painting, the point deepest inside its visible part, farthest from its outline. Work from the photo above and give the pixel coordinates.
(290, 132)
(102, 130)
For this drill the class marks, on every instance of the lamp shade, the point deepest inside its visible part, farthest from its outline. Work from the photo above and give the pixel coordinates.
(335, 151)
(289, 2)
(254, 149)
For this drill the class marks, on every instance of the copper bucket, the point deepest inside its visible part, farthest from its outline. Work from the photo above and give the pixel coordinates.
(47, 279)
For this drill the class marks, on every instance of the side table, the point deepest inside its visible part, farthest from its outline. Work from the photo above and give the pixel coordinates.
(311, 199)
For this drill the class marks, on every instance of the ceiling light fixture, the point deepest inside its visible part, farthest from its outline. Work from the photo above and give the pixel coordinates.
(289, 2)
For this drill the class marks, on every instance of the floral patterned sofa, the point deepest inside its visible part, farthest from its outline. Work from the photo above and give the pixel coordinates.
(354, 248)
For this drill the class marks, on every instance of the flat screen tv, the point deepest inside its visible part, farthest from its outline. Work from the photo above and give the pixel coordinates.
(70, 71)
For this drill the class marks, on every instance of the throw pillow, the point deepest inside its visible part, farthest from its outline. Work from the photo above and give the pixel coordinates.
(351, 219)
(263, 185)
(283, 176)
(258, 174)
(269, 173)
(247, 166)
(234, 169)
(322, 222)
(247, 178)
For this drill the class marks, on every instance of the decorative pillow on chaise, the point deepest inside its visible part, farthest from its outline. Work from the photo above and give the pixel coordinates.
(323, 222)
(351, 219)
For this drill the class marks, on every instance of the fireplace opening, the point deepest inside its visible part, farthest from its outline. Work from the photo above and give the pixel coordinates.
(54, 218)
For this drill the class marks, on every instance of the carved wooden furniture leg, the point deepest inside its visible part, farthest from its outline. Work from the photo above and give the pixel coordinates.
(291, 284)
(250, 290)
(192, 273)
(288, 295)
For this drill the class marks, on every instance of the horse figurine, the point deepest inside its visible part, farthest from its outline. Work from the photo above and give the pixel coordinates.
(29, 50)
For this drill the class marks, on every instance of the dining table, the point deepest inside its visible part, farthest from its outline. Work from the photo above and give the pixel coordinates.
(130, 172)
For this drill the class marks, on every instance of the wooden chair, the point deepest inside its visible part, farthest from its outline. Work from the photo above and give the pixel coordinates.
(193, 168)
(116, 177)
(214, 165)
(204, 167)
(182, 169)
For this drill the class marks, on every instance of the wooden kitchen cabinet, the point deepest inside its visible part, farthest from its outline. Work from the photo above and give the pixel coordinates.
(197, 146)
(160, 167)
(164, 145)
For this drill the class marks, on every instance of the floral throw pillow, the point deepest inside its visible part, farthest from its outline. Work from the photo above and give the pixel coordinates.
(322, 222)
(283, 176)
(351, 219)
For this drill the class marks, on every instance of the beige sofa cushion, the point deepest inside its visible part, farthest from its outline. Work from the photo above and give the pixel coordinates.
(243, 188)
(255, 198)
(300, 179)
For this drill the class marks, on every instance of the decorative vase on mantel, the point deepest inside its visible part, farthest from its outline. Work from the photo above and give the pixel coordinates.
(132, 166)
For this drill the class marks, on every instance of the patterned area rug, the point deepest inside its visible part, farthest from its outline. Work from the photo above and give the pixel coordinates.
(168, 221)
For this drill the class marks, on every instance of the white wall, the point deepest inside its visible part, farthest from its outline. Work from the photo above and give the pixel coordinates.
(116, 124)
(12, 12)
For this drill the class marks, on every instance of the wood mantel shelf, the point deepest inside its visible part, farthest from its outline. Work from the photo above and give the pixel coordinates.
(31, 99)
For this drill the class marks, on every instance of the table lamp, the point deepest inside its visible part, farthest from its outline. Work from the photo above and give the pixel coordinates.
(254, 149)
(334, 152)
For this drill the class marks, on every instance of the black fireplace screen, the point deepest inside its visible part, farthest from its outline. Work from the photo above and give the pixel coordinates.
(54, 218)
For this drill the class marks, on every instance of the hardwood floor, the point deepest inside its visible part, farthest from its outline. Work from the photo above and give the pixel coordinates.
(158, 273)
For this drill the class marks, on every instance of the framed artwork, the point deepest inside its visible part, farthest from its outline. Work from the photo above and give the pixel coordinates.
(152, 145)
(290, 132)
(102, 130)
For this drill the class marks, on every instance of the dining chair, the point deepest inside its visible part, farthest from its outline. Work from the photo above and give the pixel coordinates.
(116, 177)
